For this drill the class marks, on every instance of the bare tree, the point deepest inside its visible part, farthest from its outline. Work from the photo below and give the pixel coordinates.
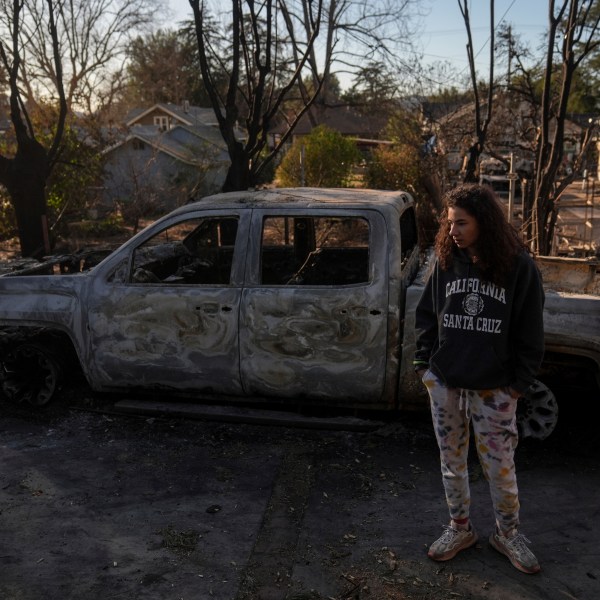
(359, 33)
(481, 123)
(40, 37)
(267, 71)
(25, 174)
(256, 89)
(92, 38)
(573, 35)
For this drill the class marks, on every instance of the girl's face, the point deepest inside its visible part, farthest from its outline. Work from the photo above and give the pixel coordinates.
(464, 229)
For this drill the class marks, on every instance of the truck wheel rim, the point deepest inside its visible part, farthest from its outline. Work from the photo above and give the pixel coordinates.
(30, 375)
(537, 412)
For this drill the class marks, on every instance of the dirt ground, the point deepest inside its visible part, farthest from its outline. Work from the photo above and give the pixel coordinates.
(98, 505)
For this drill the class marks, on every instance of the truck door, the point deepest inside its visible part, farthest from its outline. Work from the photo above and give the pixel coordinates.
(168, 316)
(313, 320)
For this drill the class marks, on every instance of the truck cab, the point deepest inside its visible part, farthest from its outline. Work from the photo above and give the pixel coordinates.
(278, 294)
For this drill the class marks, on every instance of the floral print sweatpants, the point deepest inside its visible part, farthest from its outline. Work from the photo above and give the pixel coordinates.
(493, 415)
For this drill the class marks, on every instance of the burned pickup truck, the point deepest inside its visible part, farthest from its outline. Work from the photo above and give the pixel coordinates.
(302, 296)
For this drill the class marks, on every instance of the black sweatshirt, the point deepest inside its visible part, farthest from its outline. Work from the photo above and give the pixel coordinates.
(476, 335)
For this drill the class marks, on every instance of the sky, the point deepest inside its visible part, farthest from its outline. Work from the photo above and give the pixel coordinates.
(444, 38)
(441, 32)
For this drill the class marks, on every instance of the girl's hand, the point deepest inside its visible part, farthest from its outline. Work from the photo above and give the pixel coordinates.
(513, 393)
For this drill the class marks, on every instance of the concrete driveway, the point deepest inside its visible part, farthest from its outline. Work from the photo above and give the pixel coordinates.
(97, 506)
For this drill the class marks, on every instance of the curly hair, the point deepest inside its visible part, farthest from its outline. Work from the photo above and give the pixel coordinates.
(498, 243)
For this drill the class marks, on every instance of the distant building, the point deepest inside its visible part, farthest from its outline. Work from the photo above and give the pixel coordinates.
(364, 129)
(167, 155)
(512, 130)
(167, 116)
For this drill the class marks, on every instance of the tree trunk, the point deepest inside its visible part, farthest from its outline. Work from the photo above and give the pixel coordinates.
(527, 228)
(238, 176)
(470, 175)
(25, 180)
(544, 199)
(29, 202)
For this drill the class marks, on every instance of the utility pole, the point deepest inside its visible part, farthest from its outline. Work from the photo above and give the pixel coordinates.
(512, 178)
(511, 53)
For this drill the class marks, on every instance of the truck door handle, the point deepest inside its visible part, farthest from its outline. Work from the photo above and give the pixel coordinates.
(212, 308)
(358, 311)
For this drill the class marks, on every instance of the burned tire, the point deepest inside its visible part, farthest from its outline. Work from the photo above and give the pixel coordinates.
(30, 374)
(537, 412)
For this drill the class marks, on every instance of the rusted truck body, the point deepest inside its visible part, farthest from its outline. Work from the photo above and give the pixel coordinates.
(302, 296)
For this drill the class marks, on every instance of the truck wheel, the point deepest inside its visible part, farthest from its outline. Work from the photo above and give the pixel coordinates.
(537, 412)
(30, 374)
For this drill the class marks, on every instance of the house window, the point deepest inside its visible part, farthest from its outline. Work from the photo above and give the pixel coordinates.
(138, 144)
(314, 250)
(162, 122)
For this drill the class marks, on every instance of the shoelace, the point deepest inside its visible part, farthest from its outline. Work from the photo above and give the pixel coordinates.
(519, 544)
(449, 534)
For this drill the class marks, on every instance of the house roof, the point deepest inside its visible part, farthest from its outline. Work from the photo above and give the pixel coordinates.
(166, 142)
(345, 119)
(198, 122)
(434, 111)
(467, 111)
(187, 114)
(209, 134)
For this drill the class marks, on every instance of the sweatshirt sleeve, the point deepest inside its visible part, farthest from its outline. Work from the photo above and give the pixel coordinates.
(426, 324)
(527, 336)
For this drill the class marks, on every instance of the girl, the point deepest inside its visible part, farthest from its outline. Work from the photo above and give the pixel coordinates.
(480, 342)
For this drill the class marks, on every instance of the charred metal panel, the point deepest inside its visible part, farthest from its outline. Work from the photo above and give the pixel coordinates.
(43, 299)
(411, 391)
(183, 338)
(570, 274)
(314, 343)
(572, 324)
(46, 306)
(322, 343)
(174, 333)
(47, 302)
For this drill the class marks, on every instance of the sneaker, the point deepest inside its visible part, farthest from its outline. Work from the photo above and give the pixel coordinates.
(451, 542)
(515, 548)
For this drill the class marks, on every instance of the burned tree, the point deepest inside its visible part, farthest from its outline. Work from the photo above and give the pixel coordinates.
(56, 56)
(261, 72)
(573, 34)
(537, 97)
(24, 175)
(274, 71)
(481, 123)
